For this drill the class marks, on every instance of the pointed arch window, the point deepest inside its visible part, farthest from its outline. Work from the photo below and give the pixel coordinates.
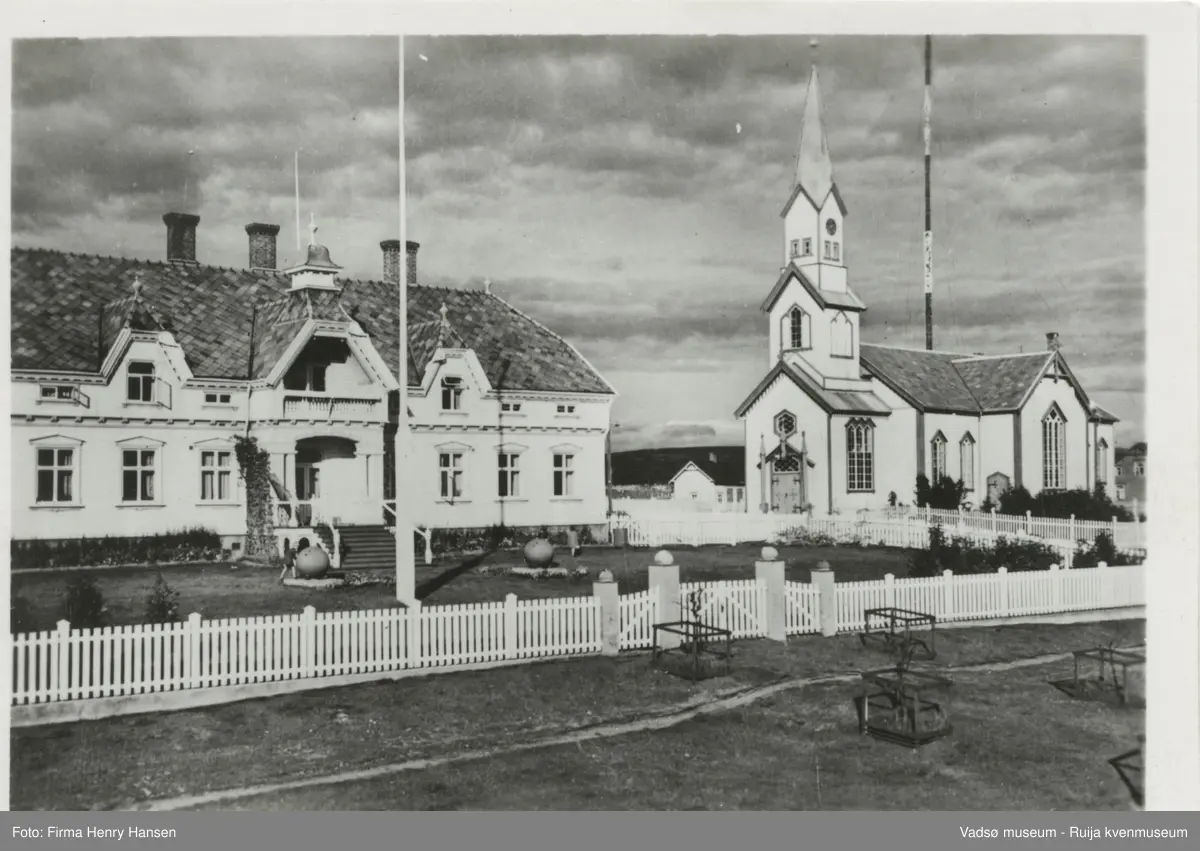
(938, 458)
(1102, 461)
(841, 336)
(1054, 450)
(797, 330)
(966, 461)
(860, 456)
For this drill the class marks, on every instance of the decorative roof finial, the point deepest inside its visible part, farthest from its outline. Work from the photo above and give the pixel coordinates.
(312, 229)
(487, 285)
(814, 43)
(137, 285)
(444, 310)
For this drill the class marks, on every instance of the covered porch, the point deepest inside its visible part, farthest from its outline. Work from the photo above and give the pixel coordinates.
(331, 480)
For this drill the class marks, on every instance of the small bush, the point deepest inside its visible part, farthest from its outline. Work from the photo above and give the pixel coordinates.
(1079, 502)
(162, 604)
(946, 495)
(83, 604)
(1102, 549)
(21, 617)
(188, 545)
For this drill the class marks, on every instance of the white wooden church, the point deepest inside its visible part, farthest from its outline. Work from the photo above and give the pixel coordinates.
(837, 425)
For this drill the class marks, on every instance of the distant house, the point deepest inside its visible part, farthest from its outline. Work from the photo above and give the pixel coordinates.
(696, 479)
(1131, 476)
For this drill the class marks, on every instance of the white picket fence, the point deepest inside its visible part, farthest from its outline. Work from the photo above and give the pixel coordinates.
(1130, 535)
(700, 529)
(81, 664)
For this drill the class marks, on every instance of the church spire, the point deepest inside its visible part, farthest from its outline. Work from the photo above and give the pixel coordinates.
(814, 169)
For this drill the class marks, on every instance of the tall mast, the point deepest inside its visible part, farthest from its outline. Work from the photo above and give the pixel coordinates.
(928, 111)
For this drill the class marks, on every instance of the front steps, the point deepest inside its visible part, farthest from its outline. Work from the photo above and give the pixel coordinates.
(367, 548)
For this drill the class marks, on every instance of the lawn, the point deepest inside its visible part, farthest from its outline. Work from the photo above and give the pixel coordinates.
(1018, 743)
(220, 591)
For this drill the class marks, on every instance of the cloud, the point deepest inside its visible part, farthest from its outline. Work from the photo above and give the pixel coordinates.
(133, 128)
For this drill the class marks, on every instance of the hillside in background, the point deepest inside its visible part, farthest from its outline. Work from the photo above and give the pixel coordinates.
(724, 464)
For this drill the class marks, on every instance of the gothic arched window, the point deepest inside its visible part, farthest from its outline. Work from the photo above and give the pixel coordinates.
(1054, 450)
(797, 330)
(966, 461)
(860, 456)
(938, 458)
(841, 337)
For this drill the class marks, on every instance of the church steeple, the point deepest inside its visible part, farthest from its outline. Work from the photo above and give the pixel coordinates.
(814, 169)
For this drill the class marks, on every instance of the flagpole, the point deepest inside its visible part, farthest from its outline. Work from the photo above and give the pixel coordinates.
(927, 114)
(297, 206)
(406, 580)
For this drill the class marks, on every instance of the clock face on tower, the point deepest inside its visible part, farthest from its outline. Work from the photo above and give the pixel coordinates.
(830, 226)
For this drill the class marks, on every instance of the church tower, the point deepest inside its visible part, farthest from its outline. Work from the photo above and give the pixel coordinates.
(814, 216)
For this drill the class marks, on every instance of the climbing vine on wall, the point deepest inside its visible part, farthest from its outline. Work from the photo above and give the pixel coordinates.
(255, 466)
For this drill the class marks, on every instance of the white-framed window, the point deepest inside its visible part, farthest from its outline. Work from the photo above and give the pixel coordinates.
(860, 456)
(841, 336)
(56, 474)
(450, 465)
(58, 392)
(806, 248)
(139, 472)
(828, 251)
(509, 474)
(836, 252)
(216, 475)
(451, 393)
(966, 461)
(218, 398)
(1102, 460)
(1121, 492)
(511, 407)
(795, 248)
(139, 382)
(799, 330)
(566, 409)
(1139, 468)
(564, 474)
(937, 458)
(1054, 450)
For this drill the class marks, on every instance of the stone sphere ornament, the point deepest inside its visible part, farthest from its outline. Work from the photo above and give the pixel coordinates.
(664, 558)
(769, 554)
(312, 562)
(539, 553)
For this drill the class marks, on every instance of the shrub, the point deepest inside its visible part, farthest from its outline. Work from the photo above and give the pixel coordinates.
(21, 617)
(83, 604)
(1016, 500)
(966, 557)
(947, 494)
(197, 544)
(1102, 549)
(162, 604)
(1080, 502)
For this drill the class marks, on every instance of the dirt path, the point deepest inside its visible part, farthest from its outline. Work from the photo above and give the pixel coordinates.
(598, 731)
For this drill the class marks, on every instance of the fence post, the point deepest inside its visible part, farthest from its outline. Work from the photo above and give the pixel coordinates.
(608, 601)
(337, 548)
(61, 659)
(1114, 529)
(192, 675)
(1106, 589)
(510, 626)
(308, 642)
(1055, 588)
(889, 592)
(412, 635)
(993, 522)
(664, 589)
(1072, 539)
(1028, 521)
(947, 595)
(1003, 583)
(769, 573)
(927, 514)
(827, 609)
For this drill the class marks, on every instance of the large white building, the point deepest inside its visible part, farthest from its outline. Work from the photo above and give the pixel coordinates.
(131, 378)
(838, 425)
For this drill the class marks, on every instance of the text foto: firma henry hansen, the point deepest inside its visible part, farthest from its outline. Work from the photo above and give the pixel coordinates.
(131, 832)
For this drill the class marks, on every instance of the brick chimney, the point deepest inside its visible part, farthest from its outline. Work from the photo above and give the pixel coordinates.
(262, 245)
(181, 237)
(391, 260)
(411, 269)
(1052, 343)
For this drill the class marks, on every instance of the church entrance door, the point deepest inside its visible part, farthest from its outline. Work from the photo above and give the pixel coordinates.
(787, 486)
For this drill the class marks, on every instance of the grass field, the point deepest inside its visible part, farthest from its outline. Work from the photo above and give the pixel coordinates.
(1018, 743)
(218, 591)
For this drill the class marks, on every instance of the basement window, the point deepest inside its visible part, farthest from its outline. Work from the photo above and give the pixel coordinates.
(218, 399)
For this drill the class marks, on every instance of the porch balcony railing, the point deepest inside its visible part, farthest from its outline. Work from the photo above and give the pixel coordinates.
(298, 513)
(320, 406)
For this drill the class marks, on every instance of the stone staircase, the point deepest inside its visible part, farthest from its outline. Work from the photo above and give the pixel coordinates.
(367, 548)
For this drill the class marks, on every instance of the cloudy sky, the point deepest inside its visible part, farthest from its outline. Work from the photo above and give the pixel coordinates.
(627, 192)
(108, 135)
